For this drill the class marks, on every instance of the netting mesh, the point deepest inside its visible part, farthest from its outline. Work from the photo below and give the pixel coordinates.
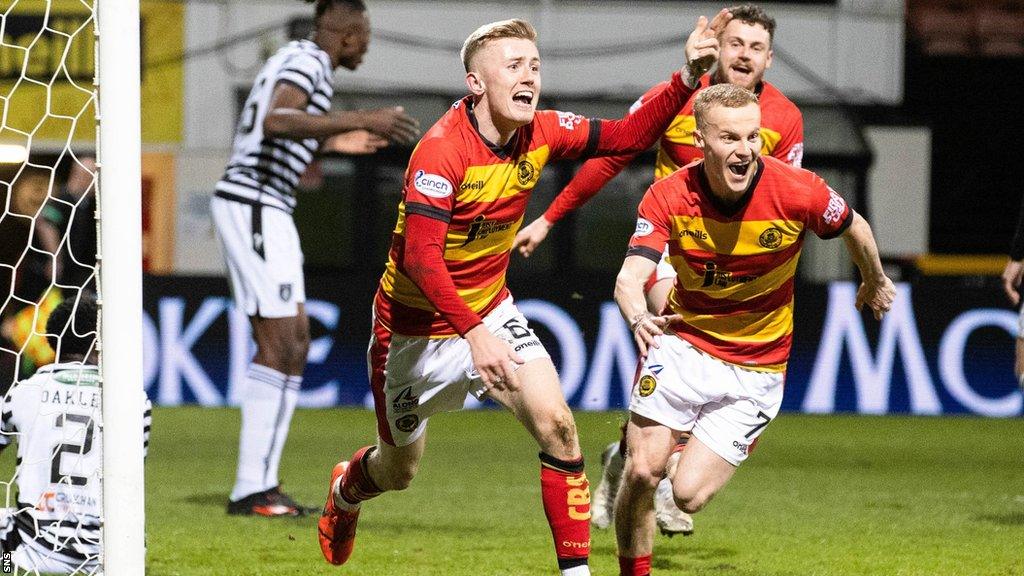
(51, 454)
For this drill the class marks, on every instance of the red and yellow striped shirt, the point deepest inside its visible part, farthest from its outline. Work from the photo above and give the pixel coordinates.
(479, 191)
(735, 265)
(782, 137)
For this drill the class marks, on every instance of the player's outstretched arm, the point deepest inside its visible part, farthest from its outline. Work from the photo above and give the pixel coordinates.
(641, 129)
(876, 289)
(287, 118)
(702, 46)
(1012, 275)
(629, 295)
(531, 235)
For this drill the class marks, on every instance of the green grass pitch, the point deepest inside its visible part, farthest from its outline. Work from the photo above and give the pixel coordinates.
(822, 495)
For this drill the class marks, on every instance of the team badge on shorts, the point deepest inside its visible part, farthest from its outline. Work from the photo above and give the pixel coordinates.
(647, 385)
(285, 291)
(407, 423)
(770, 238)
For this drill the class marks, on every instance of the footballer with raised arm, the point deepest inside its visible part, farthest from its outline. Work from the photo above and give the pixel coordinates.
(445, 325)
(714, 363)
(286, 120)
(745, 54)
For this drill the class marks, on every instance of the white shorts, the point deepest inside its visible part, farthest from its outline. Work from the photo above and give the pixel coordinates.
(33, 557)
(261, 246)
(415, 377)
(724, 405)
(664, 271)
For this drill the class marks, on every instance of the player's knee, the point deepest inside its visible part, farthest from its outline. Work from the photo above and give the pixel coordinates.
(640, 476)
(691, 499)
(399, 477)
(560, 430)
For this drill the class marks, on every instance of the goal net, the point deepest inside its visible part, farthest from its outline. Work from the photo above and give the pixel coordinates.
(72, 410)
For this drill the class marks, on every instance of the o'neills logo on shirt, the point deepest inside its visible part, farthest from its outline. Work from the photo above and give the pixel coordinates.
(432, 185)
(696, 234)
(482, 228)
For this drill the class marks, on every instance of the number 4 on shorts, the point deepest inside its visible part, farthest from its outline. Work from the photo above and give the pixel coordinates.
(766, 419)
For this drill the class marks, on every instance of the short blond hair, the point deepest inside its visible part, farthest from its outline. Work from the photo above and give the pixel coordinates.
(728, 95)
(514, 28)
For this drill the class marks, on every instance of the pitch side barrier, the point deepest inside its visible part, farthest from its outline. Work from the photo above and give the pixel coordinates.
(945, 348)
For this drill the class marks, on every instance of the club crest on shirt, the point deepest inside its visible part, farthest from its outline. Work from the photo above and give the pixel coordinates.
(525, 172)
(770, 238)
(646, 385)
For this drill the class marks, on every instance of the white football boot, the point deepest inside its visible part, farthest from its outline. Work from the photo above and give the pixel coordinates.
(602, 503)
(669, 518)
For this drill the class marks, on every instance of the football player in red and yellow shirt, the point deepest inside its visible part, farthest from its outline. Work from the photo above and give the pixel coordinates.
(445, 325)
(744, 56)
(734, 224)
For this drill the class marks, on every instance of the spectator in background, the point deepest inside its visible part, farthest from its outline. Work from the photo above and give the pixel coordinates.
(32, 256)
(76, 200)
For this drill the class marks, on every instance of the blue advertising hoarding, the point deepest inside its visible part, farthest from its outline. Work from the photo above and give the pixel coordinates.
(945, 348)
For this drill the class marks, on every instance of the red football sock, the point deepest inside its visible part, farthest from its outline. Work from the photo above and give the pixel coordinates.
(566, 494)
(356, 484)
(635, 566)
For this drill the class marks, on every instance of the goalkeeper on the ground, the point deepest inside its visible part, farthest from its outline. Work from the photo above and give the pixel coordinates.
(54, 525)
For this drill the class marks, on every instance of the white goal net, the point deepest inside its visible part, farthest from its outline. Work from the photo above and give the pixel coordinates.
(66, 307)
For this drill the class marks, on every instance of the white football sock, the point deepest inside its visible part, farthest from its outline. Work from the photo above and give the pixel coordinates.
(267, 407)
(582, 570)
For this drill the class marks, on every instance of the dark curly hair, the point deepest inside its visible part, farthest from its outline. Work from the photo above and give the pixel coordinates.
(72, 326)
(323, 5)
(753, 14)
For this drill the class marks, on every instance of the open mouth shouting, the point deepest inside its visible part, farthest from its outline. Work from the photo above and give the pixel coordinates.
(524, 98)
(740, 170)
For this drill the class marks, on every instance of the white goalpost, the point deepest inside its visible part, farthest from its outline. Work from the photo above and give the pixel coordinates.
(120, 284)
(71, 372)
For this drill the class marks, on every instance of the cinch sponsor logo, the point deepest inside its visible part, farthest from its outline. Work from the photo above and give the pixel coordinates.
(698, 234)
(643, 227)
(432, 185)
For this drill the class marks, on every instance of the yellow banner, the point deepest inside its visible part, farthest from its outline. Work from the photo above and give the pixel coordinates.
(47, 58)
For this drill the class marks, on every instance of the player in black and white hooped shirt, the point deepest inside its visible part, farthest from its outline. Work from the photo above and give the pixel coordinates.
(285, 121)
(54, 418)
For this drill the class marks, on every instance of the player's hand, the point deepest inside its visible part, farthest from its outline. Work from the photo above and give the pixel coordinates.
(356, 142)
(702, 46)
(878, 295)
(393, 124)
(646, 327)
(1012, 275)
(531, 236)
(493, 359)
